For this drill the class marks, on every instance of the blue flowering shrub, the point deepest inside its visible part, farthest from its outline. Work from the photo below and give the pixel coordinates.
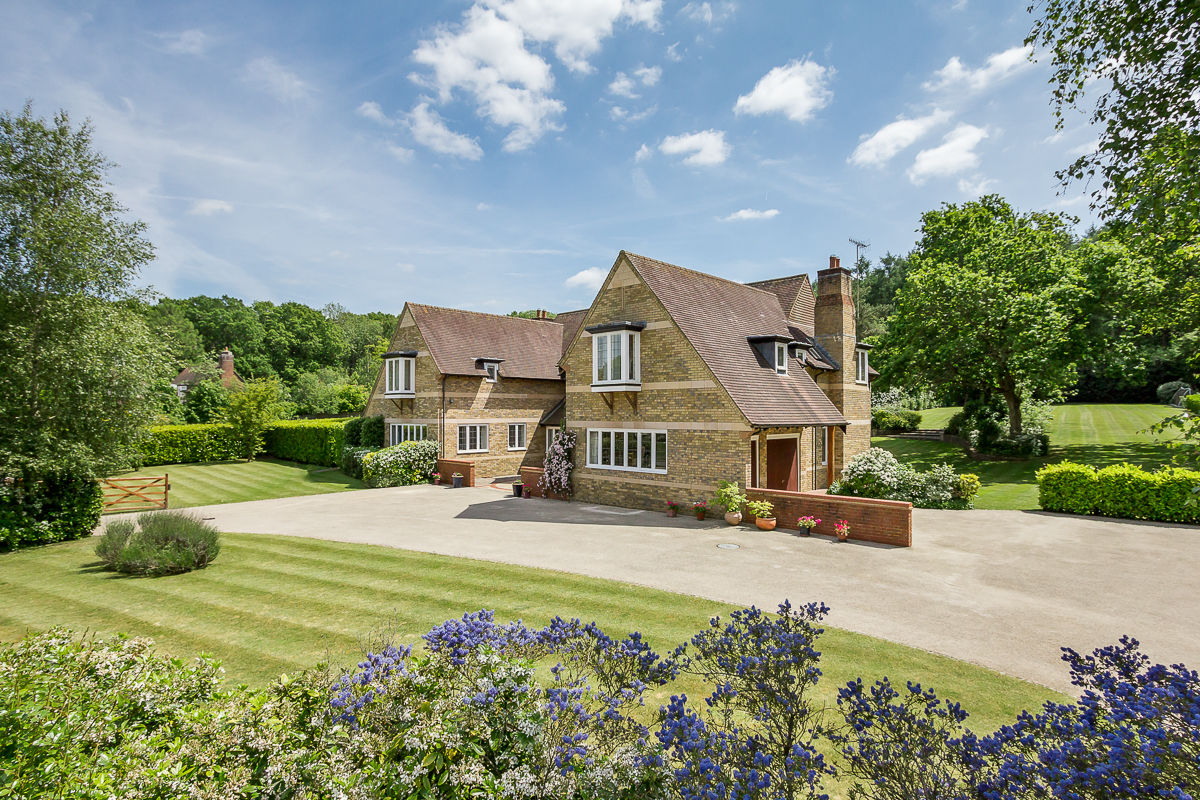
(504, 710)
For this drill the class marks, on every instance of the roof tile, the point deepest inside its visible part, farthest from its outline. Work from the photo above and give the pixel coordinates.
(530, 348)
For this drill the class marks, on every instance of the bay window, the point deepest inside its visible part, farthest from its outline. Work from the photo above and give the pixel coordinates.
(628, 450)
(400, 376)
(616, 356)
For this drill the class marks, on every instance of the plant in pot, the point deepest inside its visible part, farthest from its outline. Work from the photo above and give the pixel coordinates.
(842, 530)
(700, 508)
(763, 511)
(457, 479)
(672, 508)
(729, 497)
(435, 478)
(518, 488)
(526, 492)
(807, 524)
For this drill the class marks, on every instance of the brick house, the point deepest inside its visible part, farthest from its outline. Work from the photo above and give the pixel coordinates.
(226, 374)
(486, 387)
(676, 380)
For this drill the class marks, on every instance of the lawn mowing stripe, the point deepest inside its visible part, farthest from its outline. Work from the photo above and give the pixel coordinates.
(595, 595)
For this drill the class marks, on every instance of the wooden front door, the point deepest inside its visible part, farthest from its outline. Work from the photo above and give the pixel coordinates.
(753, 463)
(782, 469)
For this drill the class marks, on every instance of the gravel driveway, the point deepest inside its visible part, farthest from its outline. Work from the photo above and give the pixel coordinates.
(1005, 589)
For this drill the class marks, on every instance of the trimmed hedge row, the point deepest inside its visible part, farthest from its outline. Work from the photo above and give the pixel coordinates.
(1120, 490)
(41, 509)
(189, 444)
(895, 419)
(309, 441)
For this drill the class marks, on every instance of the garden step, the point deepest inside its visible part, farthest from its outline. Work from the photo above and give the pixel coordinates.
(927, 433)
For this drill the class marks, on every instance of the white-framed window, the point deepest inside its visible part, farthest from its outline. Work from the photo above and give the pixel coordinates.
(472, 438)
(631, 451)
(493, 372)
(516, 436)
(400, 376)
(406, 432)
(781, 358)
(822, 445)
(860, 366)
(616, 357)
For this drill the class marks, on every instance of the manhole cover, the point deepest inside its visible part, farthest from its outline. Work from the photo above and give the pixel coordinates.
(728, 546)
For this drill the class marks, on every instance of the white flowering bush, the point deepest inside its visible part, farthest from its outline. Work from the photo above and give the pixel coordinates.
(877, 473)
(401, 465)
(558, 464)
(873, 473)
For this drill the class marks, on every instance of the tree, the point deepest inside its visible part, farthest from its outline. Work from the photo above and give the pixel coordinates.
(205, 401)
(299, 339)
(77, 366)
(250, 410)
(1140, 60)
(170, 324)
(992, 304)
(228, 322)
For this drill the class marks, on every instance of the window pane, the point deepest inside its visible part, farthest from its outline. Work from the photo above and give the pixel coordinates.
(615, 367)
(660, 451)
(462, 438)
(593, 447)
(602, 358)
(606, 448)
(780, 357)
(631, 449)
(647, 448)
(408, 381)
(633, 357)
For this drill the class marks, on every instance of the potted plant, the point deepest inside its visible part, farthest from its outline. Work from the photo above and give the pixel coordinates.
(518, 488)
(700, 508)
(672, 508)
(842, 529)
(526, 492)
(762, 511)
(729, 497)
(807, 524)
(457, 479)
(435, 478)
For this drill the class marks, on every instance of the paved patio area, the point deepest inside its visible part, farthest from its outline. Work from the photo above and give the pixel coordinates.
(1005, 589)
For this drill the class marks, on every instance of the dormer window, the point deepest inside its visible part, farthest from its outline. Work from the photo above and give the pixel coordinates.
(493, 372)
(617, 356)
(773, 350)
(781, 358)
(400, 374)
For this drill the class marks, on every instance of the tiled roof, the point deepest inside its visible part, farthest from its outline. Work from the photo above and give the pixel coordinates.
(530, 348)
(795, 297)
(818, 356)
(570, 320)
(716, 316)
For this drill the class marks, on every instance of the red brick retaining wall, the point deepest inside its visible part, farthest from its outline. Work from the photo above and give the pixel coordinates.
(446, 467)
(530, 477)
(883, 521)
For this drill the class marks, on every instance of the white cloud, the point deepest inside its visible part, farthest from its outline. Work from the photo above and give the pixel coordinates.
(406, 267)
(975, 186)
(269, 75)
(672, 53)
(625, 115)
(648, 75)
(1087, 148)
(707, 148)
(482, 207)
(374, 112)
(399, 153)
(590, 278)
(642, 154)
(798, 90)
(428, 129)
(750, 213)
(708, 13)
(207, 208)
(997, 67)
(623, 85)
(955, 154)
(188, 43)
(878, 148)
(486, 56)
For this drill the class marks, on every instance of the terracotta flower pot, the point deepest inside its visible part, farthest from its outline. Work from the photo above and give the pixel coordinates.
(700, 514)
(765, 523)
(672, 512)
(733, 517)
(841, 537)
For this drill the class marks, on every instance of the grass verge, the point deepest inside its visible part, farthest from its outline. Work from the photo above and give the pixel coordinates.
(274, 604)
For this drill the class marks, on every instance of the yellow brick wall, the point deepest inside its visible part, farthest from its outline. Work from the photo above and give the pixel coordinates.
(469, 399)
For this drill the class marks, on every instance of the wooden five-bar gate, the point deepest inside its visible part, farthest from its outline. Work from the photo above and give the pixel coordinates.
(135, 494)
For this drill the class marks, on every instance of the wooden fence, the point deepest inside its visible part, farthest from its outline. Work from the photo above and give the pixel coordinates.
(135, 494)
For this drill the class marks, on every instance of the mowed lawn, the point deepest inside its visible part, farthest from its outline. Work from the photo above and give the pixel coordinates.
(273, 604)
(1097, 434)
(235, 481)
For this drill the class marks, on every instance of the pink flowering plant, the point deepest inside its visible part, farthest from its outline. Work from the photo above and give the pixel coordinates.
(842, 528)
(809, 522)
(673, 505)
(557, 467)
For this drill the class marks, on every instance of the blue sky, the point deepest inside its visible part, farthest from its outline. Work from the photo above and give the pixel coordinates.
(497, 154)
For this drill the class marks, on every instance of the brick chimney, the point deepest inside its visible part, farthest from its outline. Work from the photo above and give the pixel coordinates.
(835, 330)
(225, 365)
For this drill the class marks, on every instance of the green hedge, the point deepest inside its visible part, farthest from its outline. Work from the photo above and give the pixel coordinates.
(1120, 490)
(189, 444)
(45, 508)
(309, 441)
(895, 419)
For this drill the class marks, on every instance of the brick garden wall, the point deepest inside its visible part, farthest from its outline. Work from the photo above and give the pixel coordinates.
(883, 521)
(446, 467)
(530, 477)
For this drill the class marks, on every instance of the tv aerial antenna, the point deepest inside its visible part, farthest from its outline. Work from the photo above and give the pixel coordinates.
(859, 246)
